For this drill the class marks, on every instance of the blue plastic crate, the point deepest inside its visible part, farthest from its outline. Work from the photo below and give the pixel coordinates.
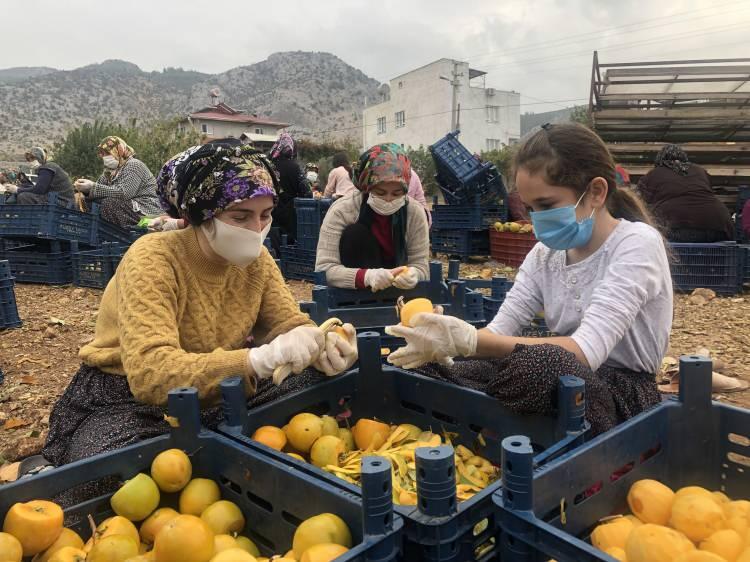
(460, 243)
(297, 263)
(708, 266)
(469, 216)
(310, 214)
(397, 396)
(685, 441)
(744, 264)
(488, 187)
(110, 232)
(454, 160)
(354, 306)
(47, 262)
(8, 309)
(94, 268)
(273, 497)
(51, 221)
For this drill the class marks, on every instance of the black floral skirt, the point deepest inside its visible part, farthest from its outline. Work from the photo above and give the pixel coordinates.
(526, 383)
(98, 413)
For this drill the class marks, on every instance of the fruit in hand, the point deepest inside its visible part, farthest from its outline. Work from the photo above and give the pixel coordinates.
(407, 310)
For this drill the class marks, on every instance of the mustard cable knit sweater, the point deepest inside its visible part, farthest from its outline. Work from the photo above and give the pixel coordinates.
(171, 318)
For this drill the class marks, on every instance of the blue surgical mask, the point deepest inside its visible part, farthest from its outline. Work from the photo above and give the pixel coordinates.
(559, 228)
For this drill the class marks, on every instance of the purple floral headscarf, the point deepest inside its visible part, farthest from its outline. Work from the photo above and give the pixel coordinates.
(283, 147)
(203, 181)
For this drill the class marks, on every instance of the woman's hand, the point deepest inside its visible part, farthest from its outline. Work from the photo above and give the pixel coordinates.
(432, 337)
(84, 185)
(378, 279)
(340, 352)
(295, 351)
(406, 279)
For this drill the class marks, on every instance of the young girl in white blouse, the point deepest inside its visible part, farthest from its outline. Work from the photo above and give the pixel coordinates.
(601, 275)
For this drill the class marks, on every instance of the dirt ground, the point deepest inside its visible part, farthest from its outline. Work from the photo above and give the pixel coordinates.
(40, 358)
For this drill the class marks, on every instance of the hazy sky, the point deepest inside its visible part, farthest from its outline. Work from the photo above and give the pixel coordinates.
(541, 48)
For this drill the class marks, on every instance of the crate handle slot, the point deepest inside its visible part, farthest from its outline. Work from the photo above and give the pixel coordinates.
(260, 502)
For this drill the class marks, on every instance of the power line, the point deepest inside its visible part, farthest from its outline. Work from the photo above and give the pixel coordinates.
(413, 117)
(606, 32)
(552, 42)
(716, 29)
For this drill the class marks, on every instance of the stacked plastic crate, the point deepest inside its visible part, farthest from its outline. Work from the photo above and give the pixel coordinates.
(37, 239)
(8, 310)
(298, 260)
(475, 197)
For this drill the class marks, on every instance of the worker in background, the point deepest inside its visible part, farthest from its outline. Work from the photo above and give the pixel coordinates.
(313, 178)
(51, 178)
(376, 237)
(601, 275)
(416, 192)
(292, 184)
(126, 191)
(680, 196)
(340, 181)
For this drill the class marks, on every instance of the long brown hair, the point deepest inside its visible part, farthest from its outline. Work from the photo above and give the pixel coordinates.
(571, 155)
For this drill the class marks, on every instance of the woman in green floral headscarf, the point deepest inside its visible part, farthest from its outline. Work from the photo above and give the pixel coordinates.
(378, 236)
(126, 191)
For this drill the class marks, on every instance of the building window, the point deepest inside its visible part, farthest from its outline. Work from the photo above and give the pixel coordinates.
(258, 131)
(381, 125)
(493, 113)
(400, 119)
(204, 128)
(494, 144)
(400, 85)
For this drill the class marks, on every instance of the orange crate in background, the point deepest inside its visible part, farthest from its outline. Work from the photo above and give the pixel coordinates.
(510, 248)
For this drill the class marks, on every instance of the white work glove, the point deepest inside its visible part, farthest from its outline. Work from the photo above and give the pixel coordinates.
(293, 352)
(339, 353)
(378, 279)
(407, 279)
(433, 337)
(84, 185)
(11, 188)
(165, 223)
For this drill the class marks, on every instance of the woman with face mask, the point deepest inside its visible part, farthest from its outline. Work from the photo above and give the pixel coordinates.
(51, 178)
(126, 191)
(192, 307)
(376, 237)
(601, 275)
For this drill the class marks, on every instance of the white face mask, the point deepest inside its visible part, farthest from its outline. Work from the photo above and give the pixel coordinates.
(110, 162)
(237, 245)
(312, 177)
(383, 207)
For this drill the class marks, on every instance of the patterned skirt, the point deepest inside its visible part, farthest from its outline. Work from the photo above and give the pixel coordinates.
(526, 383)
(98, 413)
(118, 211)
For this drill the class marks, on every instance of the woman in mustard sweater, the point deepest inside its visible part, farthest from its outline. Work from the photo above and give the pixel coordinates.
(192, 307)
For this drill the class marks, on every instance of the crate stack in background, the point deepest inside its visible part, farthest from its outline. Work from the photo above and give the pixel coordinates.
(40, 241)
(475, 198)
(8, 310)
(298, 260)
(742, 197)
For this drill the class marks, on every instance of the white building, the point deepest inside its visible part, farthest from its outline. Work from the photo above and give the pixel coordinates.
(221, 121)
(415, 109)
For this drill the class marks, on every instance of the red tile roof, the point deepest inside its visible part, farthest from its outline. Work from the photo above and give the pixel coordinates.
(236, 118)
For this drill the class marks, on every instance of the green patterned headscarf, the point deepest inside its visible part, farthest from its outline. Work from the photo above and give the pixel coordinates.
(382, 163)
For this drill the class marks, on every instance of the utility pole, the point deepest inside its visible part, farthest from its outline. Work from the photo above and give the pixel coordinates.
(455, 83)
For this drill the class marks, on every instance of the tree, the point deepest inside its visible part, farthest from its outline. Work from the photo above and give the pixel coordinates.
(502, 159)
(153, 145)
(424, 165)
(580, 114)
